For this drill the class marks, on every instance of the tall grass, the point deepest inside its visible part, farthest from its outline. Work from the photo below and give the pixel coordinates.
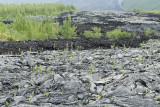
(10, 10)
(23, 30)
(29, 29)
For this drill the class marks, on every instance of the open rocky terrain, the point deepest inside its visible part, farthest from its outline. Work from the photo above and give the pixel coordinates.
(64, 78)
(121, 73)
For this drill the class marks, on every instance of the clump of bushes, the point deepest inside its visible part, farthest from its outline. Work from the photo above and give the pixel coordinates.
(118, 33)
(22, 29)
(95, 33)
(67, 30)
(150, 32)
(30, 29)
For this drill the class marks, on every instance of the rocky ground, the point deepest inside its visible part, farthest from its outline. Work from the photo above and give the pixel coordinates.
(85, 71)
(118, 77)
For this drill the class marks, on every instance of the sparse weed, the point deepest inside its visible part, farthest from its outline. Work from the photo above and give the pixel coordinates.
(99, 96)
(53, 73)
(14, 94)
(111, 78)
(114, 63)
(121, 66)
(157, 98)
(151, 42)
(124, 46)
(35, 68)
(154, 52)
(7, 103)
(112, 46)
(47, 94)
(40, 69)
(55, 56)
(48, 69)
(91, 69)
(30, 98)
(139, 60)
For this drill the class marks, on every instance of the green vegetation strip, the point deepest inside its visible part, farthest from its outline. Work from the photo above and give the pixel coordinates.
(146, 11)
(11, 10)
(22, 29)
(117, 34)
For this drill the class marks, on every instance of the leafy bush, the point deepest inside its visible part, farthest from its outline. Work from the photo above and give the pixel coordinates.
(96, 33)
(67, 30)
(150, 32)
(117, 33)
(22, 29)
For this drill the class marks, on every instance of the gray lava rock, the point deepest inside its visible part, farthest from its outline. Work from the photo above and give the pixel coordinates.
(72, 85)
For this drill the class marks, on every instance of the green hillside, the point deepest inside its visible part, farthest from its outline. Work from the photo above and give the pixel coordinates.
(141, 4)
(26, 1)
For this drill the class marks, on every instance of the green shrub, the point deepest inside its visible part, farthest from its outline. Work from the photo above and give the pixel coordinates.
(117, 33)
(96, 33)
(67, 30)
(22, 29)
(150, 32)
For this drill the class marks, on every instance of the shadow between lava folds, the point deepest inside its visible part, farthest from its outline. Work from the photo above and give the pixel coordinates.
(61, 44)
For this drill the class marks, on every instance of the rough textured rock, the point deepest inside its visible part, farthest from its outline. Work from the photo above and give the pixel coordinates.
(107, 20)
(63, 78)
(117, 19)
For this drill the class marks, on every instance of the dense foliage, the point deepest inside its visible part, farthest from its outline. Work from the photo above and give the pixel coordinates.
(23, 29)
(11, 10)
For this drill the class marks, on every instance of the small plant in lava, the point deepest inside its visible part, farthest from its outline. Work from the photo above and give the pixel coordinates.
(139, 60)
(91, 69)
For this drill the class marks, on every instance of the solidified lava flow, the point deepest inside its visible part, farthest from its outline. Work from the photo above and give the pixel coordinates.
(106, 20)
(97, 72)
